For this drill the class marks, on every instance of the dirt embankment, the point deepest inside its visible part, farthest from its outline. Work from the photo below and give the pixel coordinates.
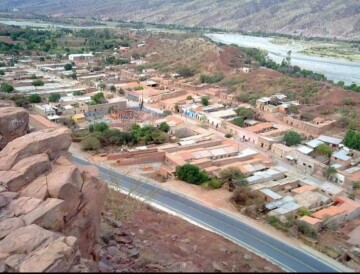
(149, 240)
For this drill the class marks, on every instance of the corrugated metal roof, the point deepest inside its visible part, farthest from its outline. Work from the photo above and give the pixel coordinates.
(305, 150)
(271, 193)
(329, 140)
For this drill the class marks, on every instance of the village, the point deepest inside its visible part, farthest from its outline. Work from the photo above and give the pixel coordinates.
(301, 170)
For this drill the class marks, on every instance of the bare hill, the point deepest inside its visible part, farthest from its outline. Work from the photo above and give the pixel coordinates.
(327, 18)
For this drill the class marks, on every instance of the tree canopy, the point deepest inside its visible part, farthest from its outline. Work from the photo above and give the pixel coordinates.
(54, 97)
(98, 98)
(192, 174)
(37, 83)
(164, 127)
(34, 98)
(68, 67)
(352, 139)
(5, 87)
(324, 149)
(292, 138)
(205, 101)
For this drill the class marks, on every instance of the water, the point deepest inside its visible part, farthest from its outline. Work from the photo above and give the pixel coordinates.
(334, 69)
(46, 25)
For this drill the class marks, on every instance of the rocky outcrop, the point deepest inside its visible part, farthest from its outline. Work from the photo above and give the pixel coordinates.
(50, 208)
(13, 124)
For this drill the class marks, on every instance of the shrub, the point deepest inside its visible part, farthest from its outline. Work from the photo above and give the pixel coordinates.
(304, 212)
(34, 98)
(90, 143)
(54, 97)
(292, 138)
(307, 230)
(164, 127)
(98, 127)
(210, 79)
(5, 87)
(68, 67)
(307, 116)
(228, 135)
(189, 97)
(20, 100)
(245, 196)
(186, 71)
(191, 174)
(205, 101)
(324, 149)
(348, 102)
(37, 83)
(215, 183)
(245, 113)
(238, 121)
(167, 113)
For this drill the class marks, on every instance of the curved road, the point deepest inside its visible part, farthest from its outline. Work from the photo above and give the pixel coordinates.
(289, 258)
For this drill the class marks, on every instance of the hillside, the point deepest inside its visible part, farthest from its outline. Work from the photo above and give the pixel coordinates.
(327, 18)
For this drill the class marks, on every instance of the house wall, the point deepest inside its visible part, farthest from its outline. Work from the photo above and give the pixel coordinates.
(312, 129)
(198, 145)
(142, 159)
(131, 154)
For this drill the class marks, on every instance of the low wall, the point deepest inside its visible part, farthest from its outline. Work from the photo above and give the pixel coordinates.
(142, 159)
(130, 154)
(197, 145)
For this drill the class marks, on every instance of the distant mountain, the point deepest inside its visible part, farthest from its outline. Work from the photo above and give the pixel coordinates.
(326, 18)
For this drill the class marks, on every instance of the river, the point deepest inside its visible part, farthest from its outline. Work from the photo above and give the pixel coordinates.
(334, 69)
(46, 25)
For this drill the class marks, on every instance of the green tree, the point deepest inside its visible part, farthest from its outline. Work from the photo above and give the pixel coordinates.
(34, 98)
(186, 71)
(102, 86)
(90, 143)
(329, 172)
(164, 127)
(20, 100)
(98, 97)
(239, 121)
(167, 113)
(324, 149)
(2, 72)
(304, 212)
(37, 83)
(245, 113)
(212, 183)
(68, 67)
(205, 101)
(98, 127)
(352, 139)
(113, 88)
(233, 175)
(192, 174)
(54, 97)
(5, 87)
(292, 138)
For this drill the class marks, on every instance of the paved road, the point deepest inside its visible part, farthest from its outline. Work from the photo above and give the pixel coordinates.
(287, 257)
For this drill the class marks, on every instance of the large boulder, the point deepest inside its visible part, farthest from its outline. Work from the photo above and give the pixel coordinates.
(65, 182)
(24, 172)
(25, 240)
(58, 256)
(86, 224)
(13, 124)
(53, 141)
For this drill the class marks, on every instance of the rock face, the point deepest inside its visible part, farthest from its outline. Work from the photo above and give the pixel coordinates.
(13, 124)
(50, 208)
